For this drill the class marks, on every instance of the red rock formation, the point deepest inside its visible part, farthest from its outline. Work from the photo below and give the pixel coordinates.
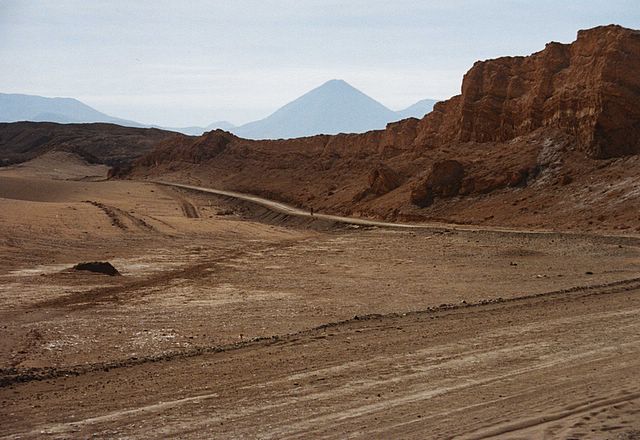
(590, 89)
(444, 181)
(182, 148)
(383, 179)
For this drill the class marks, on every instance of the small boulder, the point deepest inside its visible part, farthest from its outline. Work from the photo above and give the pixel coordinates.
(103, 267)
(383, 179)
(566, 180)
(518, 178)
(421, 195)
(444, 181)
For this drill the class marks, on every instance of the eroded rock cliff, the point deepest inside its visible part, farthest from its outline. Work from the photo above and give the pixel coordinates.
(590, 89)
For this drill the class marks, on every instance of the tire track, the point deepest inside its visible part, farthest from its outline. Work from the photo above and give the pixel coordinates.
(532, 422)
(13, 375)
(110, 213)
(116, 216)
(188, 209)
(338, 406)
(152, 284)
(140, 223)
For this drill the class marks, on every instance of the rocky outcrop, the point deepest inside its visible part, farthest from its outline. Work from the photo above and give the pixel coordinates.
(183, 148)
(590, 89)
(499, 180)
(383, 179)
(444, 181)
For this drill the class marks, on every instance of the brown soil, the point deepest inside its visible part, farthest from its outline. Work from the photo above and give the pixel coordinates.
(242, 321)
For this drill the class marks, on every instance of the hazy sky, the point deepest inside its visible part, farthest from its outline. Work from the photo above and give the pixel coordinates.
(194, 62)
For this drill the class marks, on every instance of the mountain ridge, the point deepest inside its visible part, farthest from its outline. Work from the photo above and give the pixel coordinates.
(417, 110)
(17, 107)
(21, 107)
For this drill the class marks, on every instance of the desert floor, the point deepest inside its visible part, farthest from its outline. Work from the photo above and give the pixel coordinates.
(233, 320)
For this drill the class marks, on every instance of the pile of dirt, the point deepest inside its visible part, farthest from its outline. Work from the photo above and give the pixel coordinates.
(102, 267)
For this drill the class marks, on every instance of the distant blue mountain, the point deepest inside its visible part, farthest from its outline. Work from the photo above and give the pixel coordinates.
(197, 131)
(16, 107)
(222, 125)
(334, 107)
(417, 110)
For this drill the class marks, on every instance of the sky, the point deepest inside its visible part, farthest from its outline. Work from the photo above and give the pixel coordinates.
(183, 63)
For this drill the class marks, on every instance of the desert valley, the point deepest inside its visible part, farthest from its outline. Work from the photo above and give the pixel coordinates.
(471, 274)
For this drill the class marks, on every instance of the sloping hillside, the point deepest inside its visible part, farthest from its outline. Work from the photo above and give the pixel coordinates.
(99, 143)
(548, 140)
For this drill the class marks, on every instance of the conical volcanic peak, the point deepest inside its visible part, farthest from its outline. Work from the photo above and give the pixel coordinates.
(334, 107)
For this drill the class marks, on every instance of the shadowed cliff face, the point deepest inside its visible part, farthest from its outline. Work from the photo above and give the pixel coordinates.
(97, 143)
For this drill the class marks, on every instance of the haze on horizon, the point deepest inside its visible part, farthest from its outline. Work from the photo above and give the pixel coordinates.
(166, 63)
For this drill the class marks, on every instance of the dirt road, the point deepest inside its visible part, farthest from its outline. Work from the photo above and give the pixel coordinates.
(288, 209)
(292, 210)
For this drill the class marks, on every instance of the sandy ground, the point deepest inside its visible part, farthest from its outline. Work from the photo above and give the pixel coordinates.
(232, 321)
